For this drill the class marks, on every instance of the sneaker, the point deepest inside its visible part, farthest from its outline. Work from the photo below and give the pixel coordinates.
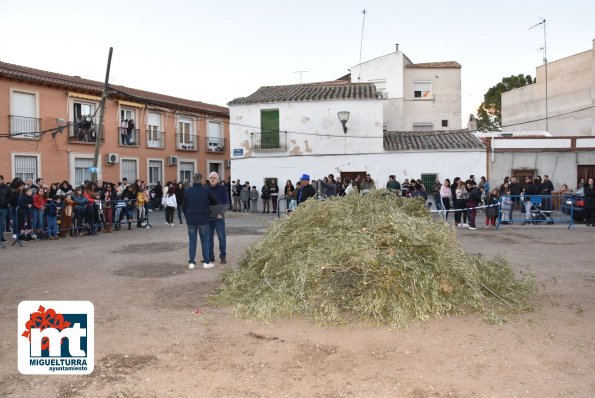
(470, 227)
(191, 265)
(223, 260)
(208, 265)
(14, 236)
(465, 225)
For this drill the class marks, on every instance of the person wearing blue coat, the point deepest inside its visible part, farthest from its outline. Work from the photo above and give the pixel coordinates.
(196, 207)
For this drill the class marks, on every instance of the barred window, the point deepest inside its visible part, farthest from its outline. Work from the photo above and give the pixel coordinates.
(25, 167)
(129, 170)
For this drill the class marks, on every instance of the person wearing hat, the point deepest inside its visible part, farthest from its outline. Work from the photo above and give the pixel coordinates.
(307, 190)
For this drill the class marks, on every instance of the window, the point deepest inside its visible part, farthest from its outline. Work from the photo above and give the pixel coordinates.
(269, 128)
(82, 109)
(129, 169)
(423, 127)
(155, 172)
(186, 137)
(422, 89)
(186, 172)
(154, 133)
(23, 120)
(25, 167)
(81, 170)
(215, 141)
(445, 123)
(84, 128)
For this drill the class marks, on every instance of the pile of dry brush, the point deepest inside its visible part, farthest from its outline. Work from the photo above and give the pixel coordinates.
(368, 257)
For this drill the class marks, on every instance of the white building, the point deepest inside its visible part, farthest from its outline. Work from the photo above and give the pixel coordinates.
(417, 97)
(282, 132)
(570, 98)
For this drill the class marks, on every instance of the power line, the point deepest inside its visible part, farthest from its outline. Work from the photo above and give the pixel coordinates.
(549, 117)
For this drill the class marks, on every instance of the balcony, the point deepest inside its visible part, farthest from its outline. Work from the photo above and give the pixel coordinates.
(24, 127)
(155, 139)
(186, 142)
(128, 137)
(269, 141)
(84, 133)
(215, 144)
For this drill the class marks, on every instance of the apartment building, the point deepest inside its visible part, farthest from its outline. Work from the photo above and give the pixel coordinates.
(148, 136)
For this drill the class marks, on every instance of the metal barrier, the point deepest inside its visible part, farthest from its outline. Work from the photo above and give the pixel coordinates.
(536, 210)
(89, 218)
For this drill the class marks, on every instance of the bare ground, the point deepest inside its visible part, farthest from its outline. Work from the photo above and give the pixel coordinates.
(157, 337)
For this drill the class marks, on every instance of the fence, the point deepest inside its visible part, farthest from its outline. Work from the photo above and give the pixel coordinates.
(84, 219)
(537, 209)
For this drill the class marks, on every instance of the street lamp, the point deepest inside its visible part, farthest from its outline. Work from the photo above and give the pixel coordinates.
(343, 118)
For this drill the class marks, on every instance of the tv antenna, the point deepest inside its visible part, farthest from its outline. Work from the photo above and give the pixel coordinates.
(545, 64)
(301, 72)
(361, 45)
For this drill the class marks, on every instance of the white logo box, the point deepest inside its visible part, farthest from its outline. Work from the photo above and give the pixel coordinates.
(78, 359)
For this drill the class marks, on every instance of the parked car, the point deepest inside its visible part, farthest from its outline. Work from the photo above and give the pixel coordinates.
(576, 200)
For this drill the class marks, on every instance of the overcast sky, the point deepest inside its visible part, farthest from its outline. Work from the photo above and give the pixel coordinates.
(214, 51)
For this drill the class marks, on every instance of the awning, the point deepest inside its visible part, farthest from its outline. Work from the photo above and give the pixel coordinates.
(134, 104)
(84, 96)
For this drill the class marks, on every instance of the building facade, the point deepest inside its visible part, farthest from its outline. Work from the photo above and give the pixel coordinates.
(282, 132)
(147, 136)
(569, 107)
(416, 97)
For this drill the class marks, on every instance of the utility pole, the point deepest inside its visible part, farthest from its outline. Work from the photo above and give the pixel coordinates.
(101, 115)
(361, 46)
(545, 64)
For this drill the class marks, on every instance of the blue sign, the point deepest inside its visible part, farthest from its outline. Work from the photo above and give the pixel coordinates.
(238, 152)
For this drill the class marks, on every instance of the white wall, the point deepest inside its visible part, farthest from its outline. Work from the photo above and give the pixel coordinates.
(571, 83)
(403, 164)
(387, 68)
(313, 127)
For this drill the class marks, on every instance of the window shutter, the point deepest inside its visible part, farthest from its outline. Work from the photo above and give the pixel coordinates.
(269, 126)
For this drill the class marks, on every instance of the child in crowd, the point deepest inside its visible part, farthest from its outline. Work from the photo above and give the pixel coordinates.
(52, 210)
(245, 198)
(505, 207)
(66, 217)
(254, 199)
(25, 205)
(39, 201)
(141, 199)
(492, 211)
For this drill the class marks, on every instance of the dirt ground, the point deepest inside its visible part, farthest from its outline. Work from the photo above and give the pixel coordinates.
(157, 337)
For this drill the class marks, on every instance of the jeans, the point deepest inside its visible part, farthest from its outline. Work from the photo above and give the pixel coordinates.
(3, 213)
(52, 226)
(204, 242)
(37, 218)
(217, 224)
(180, 213)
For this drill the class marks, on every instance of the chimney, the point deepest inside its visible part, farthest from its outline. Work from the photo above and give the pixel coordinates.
(472, 126)
(397, 46)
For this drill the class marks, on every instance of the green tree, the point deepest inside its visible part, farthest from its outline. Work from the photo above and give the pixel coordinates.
(489, 113)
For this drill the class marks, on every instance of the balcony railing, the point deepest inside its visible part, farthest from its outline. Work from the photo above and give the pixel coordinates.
(269, 140)
(24, 127)
(215, 144)
(128, 137)
(84, 132)
(186, 142)
(155, 139)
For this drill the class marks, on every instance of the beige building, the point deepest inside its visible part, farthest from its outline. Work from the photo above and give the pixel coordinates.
(570, 106)
(417, 97)
(169, 138)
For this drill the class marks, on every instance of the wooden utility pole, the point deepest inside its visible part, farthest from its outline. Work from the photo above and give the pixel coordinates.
(100, 127)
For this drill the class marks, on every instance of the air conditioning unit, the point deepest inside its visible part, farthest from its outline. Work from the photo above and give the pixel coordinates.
(172, 160)
(228, 163)
(112, 158)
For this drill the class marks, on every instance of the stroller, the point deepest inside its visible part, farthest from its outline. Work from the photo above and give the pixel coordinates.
(122, 209)
(538, 214)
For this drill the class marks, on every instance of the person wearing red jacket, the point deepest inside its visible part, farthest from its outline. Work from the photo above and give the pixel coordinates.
(39, 201)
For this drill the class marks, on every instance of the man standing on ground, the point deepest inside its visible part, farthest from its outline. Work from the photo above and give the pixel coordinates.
(306, 191)
(196, 208)
(5, 193)
(217, 220)
(546, 189)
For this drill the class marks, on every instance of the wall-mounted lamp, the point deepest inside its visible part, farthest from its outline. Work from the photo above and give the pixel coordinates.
(61, 123)
(343, 118)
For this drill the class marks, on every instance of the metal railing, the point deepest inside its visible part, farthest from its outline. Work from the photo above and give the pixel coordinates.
(82, 132)
(538, 209)
(215, 144)
(128, 137)
(186, 142)
(155, 139)
(24, 126)
(276, 140)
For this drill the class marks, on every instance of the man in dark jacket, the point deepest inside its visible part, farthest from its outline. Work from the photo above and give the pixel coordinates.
(5, 193)
(196, 208)
(531, 189)
(546, 189)
(306, 191)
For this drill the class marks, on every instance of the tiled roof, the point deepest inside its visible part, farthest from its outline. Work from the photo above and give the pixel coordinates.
(325, 91)
(430, 65)
(76, 83)
(431, 140)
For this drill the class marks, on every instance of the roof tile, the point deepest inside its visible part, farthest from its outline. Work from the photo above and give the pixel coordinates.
(414, 140)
